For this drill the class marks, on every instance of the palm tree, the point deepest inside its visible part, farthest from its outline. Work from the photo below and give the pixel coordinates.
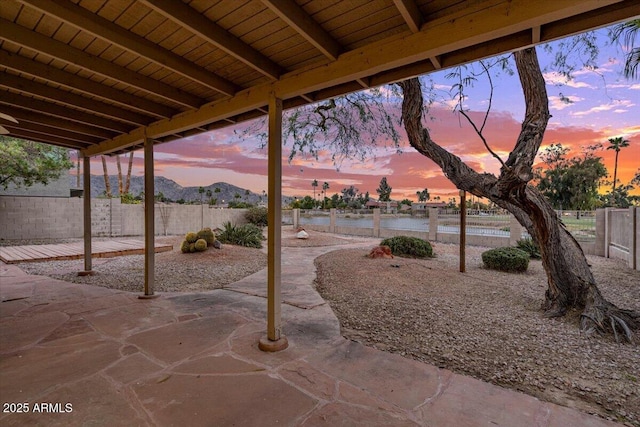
(628, 31)
(128, 182)
(325, 187)
(314, 184)
(107, 184)
(617, 144)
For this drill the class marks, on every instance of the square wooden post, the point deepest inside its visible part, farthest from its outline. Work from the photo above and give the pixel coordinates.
(86, 211)
(275, 340)
(149, 222)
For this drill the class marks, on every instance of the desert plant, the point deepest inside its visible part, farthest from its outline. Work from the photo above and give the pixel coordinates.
(191, 237)
(184, 248)
(257, 216)
(411, 247)
(506, 259)
(192, 247)
(200, 245)
(249, 235)
(529, 246)
(207, 235)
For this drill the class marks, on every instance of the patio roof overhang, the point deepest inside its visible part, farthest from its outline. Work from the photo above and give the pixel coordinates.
(99, 75)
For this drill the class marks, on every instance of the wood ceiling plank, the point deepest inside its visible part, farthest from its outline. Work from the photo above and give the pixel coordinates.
(214, 34)
(47, 139)
(32, 40)
(72, 81)
(41, 90)
(297, 18)
(56, 110)
(57, 132)
(35, 117)
(113, 33)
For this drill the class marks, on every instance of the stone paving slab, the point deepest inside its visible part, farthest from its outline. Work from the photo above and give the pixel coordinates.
(193, 359)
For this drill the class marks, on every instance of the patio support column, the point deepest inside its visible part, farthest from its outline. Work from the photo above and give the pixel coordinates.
(275, 340)
(149, 222)
(86, 211)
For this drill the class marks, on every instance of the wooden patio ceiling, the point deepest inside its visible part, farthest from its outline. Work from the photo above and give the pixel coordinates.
(99, 75)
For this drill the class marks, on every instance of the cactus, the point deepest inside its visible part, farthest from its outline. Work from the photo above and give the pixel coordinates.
(207, 235)
(201, 245)
(192, 247)
(184, 248)
(191, 237)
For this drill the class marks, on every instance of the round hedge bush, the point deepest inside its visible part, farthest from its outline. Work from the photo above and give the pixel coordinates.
(410, 247)
(506, 259)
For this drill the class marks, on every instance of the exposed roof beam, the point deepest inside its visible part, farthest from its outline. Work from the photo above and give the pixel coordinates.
(38, 137)
(33, 68)
(214, 34)
(435, 60)
(51, 93)
(298, 19)
(92, 23)
(34, 117)
(436, 38)
(48, 46)
(51, 131)
(9, 98)
(411, 14)
(536, 34)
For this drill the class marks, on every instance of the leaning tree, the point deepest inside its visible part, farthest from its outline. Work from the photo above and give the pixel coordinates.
(571, 284)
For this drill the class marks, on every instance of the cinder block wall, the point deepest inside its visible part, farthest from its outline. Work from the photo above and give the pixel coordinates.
(59, 218)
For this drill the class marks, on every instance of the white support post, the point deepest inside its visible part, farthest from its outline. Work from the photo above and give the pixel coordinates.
(149, 222)
(275, 340)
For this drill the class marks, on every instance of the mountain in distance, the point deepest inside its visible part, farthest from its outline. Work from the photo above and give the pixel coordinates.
(174, 191)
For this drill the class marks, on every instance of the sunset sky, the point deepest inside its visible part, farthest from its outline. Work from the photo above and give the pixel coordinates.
(603, 105)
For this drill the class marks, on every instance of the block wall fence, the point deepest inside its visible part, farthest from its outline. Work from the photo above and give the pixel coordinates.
(617, 230)
(59, 218)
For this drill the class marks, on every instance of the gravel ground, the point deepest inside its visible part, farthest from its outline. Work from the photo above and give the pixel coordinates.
(488, 325)
(175, 271)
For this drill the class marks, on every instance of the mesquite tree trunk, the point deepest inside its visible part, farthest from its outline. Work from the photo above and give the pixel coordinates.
(570, 281)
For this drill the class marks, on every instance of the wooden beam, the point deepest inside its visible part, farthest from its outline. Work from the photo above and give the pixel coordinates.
(32, 104)
(535, 34)
(45, 130)
(92, 23)
(435, 60)
(51, 93)
(33, 68)
(35, 117)
(484, 25)
(214, 34)
(49, 46)
(410, 13)
(299, 20)
(47, 139)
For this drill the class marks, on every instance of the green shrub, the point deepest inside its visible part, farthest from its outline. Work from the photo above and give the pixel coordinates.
(184, 248)
(191, 237)
(529, 246)
(411, 247)
(207, 235)
(506, 259)
(257, 216)
(200, 245)
(249, 235)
